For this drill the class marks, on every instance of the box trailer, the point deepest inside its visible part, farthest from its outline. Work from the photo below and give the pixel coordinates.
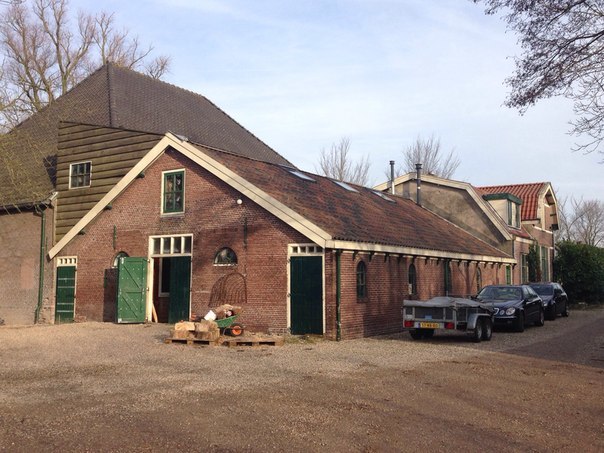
(423, 318)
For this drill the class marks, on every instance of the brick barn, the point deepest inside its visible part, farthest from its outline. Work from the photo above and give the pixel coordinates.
(131, 200)
(190, 227)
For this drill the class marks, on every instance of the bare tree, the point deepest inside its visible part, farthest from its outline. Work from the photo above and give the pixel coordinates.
(562, 54)
(428, 152)
(46, 53)
(336, 163)
(582, 221)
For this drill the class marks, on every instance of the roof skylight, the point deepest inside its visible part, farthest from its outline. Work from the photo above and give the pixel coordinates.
(345, 186)
(383, 195)
(300, 175)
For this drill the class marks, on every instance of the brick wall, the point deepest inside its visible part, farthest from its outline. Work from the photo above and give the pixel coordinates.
(214, 218)
(387, 287)
(20, 268)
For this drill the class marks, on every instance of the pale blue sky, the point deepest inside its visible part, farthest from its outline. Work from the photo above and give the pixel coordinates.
(302, 74)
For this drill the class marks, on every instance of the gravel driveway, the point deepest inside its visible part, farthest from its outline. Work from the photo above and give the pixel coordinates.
(107, 387)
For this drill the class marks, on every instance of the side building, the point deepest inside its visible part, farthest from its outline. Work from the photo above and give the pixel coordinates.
(519, 220)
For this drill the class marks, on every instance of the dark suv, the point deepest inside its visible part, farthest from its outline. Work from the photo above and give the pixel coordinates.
(555, 300)
(515, 305)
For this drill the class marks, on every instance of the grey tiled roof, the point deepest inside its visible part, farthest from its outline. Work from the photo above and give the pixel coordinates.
(116, 97)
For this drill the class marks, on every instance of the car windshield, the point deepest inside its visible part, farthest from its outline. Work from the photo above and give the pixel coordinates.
(543, 290)
(500, 293)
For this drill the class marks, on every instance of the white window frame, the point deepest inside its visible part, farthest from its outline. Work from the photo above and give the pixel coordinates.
(184, 192)
(71, 173)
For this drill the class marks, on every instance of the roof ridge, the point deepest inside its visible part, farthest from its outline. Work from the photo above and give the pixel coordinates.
(514, 185)
(140, 74)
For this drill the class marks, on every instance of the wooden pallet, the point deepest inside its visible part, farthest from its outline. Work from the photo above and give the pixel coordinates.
(253, 342)
(197, 341)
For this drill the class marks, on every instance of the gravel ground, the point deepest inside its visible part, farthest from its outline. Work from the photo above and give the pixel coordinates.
(107, 387)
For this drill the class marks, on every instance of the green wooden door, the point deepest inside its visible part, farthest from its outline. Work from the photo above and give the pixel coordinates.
(131, 290)
(306, 295)
(65, 300)
(180, 289)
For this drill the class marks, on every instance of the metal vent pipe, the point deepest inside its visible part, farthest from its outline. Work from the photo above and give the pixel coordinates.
(418, 182)
(392, 177)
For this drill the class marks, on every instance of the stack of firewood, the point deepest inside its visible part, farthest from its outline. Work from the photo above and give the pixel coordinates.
(204, 330)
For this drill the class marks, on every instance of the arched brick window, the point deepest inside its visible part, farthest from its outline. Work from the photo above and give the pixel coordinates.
(412, 279)
(478, 279)
(361, 279)
(225, 257)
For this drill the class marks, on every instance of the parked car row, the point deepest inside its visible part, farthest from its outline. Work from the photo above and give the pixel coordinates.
(520, 305)
(515, 306)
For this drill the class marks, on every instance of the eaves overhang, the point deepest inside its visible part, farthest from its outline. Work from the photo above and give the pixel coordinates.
(292, 218)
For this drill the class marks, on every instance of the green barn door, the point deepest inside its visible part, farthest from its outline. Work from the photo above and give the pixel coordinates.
(65, 300)
(131, 290)
(306, 295)
(180, 289)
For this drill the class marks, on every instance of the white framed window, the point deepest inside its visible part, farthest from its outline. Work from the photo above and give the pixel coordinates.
(80, 175)
(173, 192)
(67, 261)
(305, 249)
(225, 257)
(177, 245)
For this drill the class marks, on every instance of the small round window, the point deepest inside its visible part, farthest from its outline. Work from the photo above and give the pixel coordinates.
(225, 257)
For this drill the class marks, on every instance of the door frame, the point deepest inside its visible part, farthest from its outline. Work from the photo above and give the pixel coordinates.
(67, 261)
(305, 249)
(161, 253)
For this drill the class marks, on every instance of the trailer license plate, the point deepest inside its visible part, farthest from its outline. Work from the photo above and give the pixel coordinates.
(429, 325)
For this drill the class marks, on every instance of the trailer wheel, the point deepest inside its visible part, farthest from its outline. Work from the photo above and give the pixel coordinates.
(487, 329)
(416, 334)
(478, 332)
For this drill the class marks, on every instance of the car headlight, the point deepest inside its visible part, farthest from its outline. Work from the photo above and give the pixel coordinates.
(510, 311)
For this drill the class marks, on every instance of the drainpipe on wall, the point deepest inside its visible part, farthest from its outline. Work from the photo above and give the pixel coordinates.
(418, 182)
(338, 295)
(42, 211)
(392, 177)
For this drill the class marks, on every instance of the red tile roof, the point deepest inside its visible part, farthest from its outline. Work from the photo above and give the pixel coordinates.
(360, 216)
(528, 193)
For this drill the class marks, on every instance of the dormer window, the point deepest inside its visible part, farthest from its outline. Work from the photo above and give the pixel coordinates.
(513, 214)
(79, 175)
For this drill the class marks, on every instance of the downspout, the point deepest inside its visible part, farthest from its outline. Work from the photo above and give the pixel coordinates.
(338, 295)
(42, 212)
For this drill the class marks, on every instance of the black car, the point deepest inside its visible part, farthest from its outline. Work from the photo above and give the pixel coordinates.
(515, 305)
(555, 300)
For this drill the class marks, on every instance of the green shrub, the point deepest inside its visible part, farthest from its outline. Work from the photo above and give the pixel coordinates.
(580, 269)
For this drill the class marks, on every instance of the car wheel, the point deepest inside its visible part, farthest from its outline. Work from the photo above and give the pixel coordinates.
(541, 319)
(519, 323)
(551, 312)
(416, 334)
(487, 329)
(565, 311)
(478, 332)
